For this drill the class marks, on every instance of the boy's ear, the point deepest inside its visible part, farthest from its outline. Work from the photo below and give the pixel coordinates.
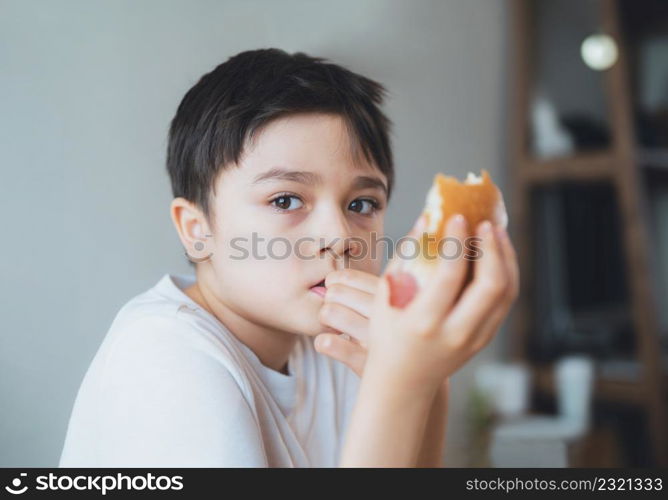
(191, 226)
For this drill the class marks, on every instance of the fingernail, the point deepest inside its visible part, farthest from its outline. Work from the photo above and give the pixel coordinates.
(485, 228)
(324, 342)
(458, 220)
(420, 224)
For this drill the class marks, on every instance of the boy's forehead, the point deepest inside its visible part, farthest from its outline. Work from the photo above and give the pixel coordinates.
(317, 143)
(302, 135)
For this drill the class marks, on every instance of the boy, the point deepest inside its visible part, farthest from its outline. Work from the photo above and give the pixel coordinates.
(281, 170)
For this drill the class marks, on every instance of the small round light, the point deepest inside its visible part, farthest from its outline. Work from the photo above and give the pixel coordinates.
(599, 52)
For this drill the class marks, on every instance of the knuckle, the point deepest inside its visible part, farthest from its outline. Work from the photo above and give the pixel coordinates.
(423, 327)
(492, 288)
(334, 290)
(482, 343)
(506, 286)
(447, 269)
(327, 311)
(449, 275)
(456, 342)
(332, 277)
(346, 275)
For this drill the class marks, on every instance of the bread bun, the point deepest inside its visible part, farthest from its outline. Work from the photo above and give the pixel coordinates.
(477, 199)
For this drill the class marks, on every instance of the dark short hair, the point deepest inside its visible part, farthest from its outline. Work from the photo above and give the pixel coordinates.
(227, 105)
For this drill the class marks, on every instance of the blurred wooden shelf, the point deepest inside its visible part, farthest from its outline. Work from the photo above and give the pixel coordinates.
(627, 167)
(578, 167)
(599, 165)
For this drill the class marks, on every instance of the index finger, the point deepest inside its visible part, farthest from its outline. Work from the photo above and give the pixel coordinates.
(412, 237)
(354, 278)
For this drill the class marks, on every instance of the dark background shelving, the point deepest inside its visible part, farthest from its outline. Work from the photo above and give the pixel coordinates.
(589, 163)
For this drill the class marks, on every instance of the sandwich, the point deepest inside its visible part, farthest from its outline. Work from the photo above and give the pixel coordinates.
(477, 199)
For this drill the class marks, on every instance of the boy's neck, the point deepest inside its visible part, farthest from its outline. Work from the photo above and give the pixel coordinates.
(272, 347)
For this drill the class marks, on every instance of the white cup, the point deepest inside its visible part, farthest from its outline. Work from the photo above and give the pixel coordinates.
(574, 376)
(507, 386)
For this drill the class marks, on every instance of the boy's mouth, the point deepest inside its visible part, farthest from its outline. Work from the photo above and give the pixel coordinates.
(319, 288)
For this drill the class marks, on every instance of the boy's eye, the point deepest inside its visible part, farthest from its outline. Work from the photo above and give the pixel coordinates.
(287, 202)
(363, 206)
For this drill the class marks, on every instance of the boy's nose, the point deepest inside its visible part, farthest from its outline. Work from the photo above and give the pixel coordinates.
(334, 235)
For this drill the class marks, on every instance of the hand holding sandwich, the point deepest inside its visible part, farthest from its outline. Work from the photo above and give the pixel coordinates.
(443, 326)
(351, 293)
(414, 348)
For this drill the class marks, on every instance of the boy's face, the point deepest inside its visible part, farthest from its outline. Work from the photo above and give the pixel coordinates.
(295, 209)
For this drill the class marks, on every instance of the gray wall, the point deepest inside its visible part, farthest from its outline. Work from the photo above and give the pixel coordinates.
(87, 90)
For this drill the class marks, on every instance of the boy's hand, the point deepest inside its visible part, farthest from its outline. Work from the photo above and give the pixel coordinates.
(473, 320)
(350, 294)
(450, 319)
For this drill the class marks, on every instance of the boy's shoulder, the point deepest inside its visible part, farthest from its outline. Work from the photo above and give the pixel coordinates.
(163, 300)
(162, 315)
(162, 326)
(167, 306)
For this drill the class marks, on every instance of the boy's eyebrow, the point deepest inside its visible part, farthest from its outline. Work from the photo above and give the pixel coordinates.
(312, 178)
(280, 174)
(363, 182)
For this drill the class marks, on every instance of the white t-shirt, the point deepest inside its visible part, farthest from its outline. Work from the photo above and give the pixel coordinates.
(170, 386)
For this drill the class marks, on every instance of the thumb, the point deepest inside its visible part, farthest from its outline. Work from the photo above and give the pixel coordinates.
(419, 227)
(349, 353)
(408, 243)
